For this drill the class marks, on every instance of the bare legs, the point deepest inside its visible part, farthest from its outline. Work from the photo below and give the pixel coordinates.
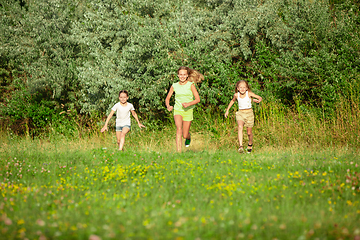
(182, 130)
(250, 135)
(120, 137)
(240, 133)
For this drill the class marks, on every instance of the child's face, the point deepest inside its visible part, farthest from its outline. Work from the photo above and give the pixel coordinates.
(123, 98)
(183, 74)
(242, 88)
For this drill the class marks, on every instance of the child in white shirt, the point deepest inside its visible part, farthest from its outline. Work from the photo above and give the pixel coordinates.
(123, 123)
(245, 115)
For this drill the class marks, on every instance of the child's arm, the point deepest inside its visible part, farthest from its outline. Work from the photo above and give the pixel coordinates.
(167, 99)
(107, 121)
(230, 105)
(137, 119)
(256, 99)
(196, 95)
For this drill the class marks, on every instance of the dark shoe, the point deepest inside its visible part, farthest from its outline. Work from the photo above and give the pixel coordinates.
(188, 141)
(249, 149)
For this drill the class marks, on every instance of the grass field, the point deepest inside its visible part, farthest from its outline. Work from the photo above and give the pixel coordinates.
(88, 190)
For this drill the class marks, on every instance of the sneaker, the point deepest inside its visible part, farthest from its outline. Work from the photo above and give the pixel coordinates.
(187, 142)
(241, 149)
(249, 149)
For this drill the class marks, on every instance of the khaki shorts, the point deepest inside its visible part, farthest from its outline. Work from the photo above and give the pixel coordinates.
(247, 116)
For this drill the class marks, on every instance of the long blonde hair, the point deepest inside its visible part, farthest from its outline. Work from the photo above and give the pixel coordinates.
(193, 75)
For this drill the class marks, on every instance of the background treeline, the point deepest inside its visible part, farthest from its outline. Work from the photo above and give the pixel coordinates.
(62, 62)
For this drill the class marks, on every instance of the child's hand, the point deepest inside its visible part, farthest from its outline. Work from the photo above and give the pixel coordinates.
(257, 100)
(185, 105)
(170, 108)
(226, 113)
(141, 126)
(104, 129)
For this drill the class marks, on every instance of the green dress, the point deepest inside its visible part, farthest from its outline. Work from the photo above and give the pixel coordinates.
(183, 94)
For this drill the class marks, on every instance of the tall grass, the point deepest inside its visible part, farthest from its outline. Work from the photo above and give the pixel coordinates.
(302, 182)
(280, 127)
(276, 127)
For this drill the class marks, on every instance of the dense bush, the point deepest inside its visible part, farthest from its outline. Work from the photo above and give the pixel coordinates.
(79, 54)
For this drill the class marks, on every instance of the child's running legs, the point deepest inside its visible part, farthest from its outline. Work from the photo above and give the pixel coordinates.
(250, 135)
(182, 130)
(186, 132)
(240, 135)
(240, 132)
(120, 136)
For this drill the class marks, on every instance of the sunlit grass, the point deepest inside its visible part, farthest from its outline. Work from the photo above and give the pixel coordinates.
(302, 181)
(59, 192)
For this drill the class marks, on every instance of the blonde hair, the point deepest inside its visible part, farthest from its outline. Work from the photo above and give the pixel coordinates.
(242, 81)
(193, 75)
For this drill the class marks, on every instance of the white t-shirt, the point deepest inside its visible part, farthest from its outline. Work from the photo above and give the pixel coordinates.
(244, 103)
(123, 114)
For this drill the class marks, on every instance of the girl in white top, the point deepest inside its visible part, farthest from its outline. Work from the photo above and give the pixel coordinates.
(123, 122)
(245, 115)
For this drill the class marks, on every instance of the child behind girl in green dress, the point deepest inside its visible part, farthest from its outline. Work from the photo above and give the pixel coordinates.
(245, 114)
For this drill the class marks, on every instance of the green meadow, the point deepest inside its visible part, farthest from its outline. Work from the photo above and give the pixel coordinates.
(63, 63)
(86, 189)
(302, 181)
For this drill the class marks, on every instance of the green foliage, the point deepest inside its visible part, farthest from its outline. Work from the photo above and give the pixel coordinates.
(37, 42)
(79, 54)
(289, 50)
(314, 58)
(31, 114)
